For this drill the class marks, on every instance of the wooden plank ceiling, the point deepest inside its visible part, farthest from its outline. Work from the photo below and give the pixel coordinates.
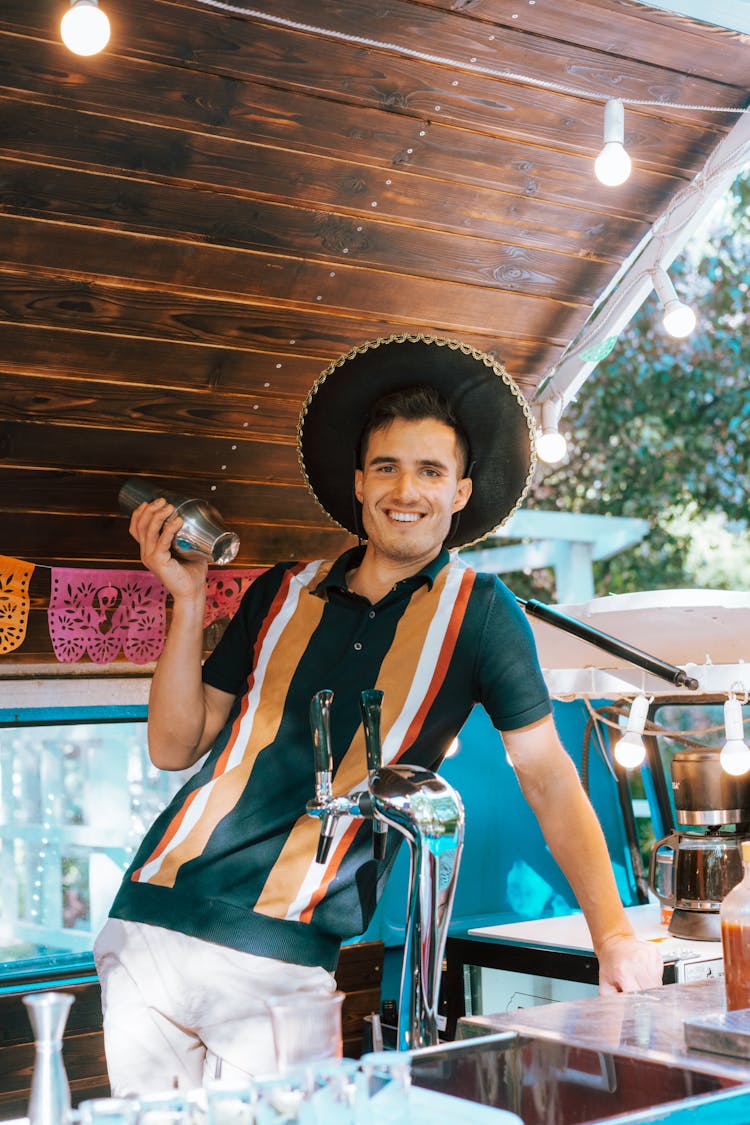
(197, 221)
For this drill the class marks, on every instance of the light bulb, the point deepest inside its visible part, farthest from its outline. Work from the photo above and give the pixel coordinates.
(551, 445)
(735, 758)
(735, 754)
(84, 27)
(630, 751)
(679, 319)
(612, 166)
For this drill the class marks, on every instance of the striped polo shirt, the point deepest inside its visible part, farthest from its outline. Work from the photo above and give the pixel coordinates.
(232, 858)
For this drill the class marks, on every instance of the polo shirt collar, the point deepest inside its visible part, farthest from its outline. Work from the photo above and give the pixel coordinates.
(336, 577)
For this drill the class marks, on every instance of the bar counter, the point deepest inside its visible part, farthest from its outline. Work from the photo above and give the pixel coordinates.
(616, 1059)
(649, 1025)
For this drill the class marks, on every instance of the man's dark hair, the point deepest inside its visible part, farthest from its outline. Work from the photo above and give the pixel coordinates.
(414, 404)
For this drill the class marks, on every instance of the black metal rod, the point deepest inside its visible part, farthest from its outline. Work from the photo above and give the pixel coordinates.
(673, 675)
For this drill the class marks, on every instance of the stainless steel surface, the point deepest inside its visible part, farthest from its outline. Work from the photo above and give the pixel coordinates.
(649, 1025)
(49, 1103)
(203, 533)
(723, 1033)
(711, 817)
(704, 793)
(429, 814)
(695, 923)
(589, 1061)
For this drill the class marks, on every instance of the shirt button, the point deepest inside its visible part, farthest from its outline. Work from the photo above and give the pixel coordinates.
(371, 614)
(357, 646)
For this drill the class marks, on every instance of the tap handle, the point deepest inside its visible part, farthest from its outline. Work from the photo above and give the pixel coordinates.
(379, 839)
(320, 724)
(370, 702)
(327, 826)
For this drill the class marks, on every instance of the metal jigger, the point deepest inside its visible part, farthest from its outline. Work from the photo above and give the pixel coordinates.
(50, 1093)
(203, 533)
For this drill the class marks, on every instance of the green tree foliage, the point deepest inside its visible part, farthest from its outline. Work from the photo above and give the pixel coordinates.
(661, 430)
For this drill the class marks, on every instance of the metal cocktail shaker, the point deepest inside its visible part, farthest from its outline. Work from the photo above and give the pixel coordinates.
(203, 533)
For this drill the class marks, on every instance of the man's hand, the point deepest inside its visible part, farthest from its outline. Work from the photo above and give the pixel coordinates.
(154, 530)
(628, 965)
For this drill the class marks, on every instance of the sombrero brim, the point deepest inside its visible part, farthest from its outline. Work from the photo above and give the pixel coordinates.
(492, 411)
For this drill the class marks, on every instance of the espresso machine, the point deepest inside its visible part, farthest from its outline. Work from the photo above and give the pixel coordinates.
(702, 856)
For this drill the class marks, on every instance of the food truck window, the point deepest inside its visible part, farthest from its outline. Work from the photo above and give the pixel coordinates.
(76, 796)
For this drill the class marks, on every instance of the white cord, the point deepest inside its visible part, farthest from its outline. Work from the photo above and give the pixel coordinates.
(441, 60)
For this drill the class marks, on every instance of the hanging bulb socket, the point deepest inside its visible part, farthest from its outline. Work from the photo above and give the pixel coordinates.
(630, 751)
(551, 445)
(679, 319)
(613, 165)
(85, 27)
(735, 754)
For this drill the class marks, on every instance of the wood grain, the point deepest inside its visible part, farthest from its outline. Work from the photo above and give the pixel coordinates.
(195, 222)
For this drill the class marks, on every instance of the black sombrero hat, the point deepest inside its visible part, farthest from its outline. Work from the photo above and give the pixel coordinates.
(492, 411)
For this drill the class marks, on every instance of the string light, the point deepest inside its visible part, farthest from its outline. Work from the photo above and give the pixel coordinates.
(551, 445)
(735, 754)
(630, 751)
(84, 27)
(471, 66)
(679, 318)
(612, 166)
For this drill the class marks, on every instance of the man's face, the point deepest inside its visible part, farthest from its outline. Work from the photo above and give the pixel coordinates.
(409, 488)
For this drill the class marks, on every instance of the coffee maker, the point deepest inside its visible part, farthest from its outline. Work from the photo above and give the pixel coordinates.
(713, 817)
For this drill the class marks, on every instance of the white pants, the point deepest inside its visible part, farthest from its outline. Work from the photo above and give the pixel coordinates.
(178, 1009)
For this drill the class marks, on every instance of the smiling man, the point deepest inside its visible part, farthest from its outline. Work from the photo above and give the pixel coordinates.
(418, 446)
(412, 483)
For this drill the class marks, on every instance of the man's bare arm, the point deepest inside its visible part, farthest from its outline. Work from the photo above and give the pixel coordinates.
(552, 787)
(184, 714)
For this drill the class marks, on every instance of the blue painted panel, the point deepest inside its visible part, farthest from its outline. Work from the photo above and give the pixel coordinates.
(9, 715)
(729, 1108)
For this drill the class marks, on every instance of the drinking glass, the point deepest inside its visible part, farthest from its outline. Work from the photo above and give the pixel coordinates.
(306, 1028)
(386, 1085)
(336, 1095)
(230, 1103)
(169, 1108)
(281, 1099)
(108, 1111)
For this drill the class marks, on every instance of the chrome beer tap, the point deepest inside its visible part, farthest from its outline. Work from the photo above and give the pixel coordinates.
(428, 812)
(324, 805)
(370, 703)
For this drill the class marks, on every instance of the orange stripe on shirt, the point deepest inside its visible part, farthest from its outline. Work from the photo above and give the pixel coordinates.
(274, 608)
(287, 877)
(228, 786)
(331, 869)
(168, 836)
(445, 655)
(443, 662)
(294, 867)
